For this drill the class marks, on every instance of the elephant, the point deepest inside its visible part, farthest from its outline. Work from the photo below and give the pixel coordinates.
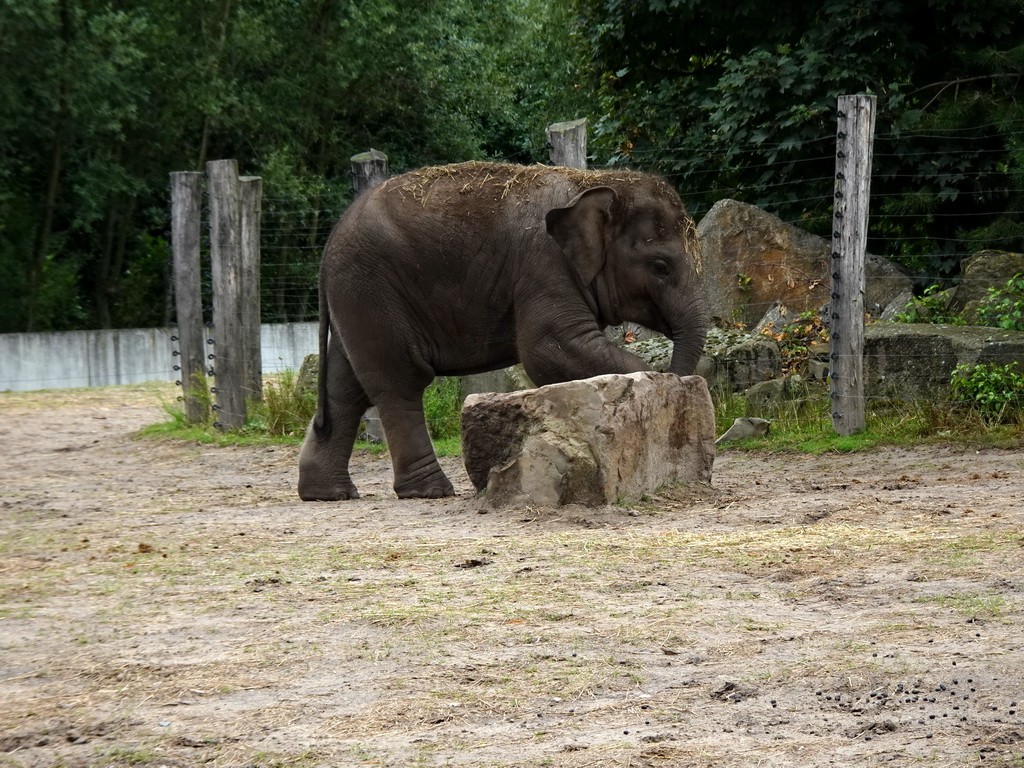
(466, 268)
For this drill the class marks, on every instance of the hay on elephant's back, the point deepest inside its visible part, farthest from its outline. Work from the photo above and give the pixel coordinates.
(503, 179)
(495, 182)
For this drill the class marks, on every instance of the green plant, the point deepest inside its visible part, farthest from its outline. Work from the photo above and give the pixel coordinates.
(931, 307)
(996, 391)
(286, 408)
(442, 404)
(1004, 307)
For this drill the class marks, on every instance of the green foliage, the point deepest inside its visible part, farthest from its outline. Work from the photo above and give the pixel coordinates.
(995, 391)
(1004, 307)
(442, 405)
(99, 102)
(931, 307)
(739, 100)
(286, 409)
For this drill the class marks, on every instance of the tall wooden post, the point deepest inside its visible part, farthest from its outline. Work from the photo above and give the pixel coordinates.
(186, 216)
(567, 143)
(251, 197)
(368, 170)
(855, 137)
(225, 256)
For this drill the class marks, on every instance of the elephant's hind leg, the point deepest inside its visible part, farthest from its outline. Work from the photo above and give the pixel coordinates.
(323, 462)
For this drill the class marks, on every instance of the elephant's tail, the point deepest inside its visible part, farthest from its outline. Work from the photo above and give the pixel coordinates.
(322, 419)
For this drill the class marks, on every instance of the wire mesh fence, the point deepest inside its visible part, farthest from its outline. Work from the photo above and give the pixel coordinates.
(938, 197)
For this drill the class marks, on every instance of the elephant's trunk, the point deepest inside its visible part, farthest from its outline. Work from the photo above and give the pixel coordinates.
(685, 355)
(688, 336)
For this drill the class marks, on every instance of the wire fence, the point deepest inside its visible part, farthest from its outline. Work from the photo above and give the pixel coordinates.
(926, 214)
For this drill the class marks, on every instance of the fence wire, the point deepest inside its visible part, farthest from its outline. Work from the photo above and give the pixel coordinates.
(919, 217)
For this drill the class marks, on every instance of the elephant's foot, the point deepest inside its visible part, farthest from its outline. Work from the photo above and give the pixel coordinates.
(430, 488)
(309, 491)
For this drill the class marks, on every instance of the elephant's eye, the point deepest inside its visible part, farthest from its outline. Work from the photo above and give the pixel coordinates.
(660, 268)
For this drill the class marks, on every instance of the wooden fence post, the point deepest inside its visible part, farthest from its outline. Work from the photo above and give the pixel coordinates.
(228, 294)
(368, 170)
(186, 218)
(567, 143)
(855, 135)
(251, 188)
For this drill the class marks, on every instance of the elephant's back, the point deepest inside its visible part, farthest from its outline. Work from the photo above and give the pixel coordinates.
(482, 190)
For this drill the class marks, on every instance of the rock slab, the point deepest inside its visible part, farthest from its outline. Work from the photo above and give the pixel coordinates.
(608, 439)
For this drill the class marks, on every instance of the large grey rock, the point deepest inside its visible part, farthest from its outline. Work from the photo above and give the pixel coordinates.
(308, 372)
(912, 361)
(777, 397)
(979, 273)
(886, 283)
(596, 441)
(510, 379)
(733, 360)
(753, 259)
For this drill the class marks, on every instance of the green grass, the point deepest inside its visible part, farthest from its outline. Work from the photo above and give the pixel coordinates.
(286, 410)
(803, 426)
(806, 427)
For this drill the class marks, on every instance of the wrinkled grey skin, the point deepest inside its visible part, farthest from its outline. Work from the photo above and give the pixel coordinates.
(468, 268)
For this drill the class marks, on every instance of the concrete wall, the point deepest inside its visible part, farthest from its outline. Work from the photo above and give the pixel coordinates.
(99, 358)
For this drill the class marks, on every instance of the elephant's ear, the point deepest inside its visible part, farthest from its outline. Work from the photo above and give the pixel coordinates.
(581, 229)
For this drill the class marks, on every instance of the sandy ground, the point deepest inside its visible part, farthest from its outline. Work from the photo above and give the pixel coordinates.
(171, 604)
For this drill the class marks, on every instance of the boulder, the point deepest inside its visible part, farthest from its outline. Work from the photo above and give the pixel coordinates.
(753, 259)
(745, 428)
(308, 372)
(777, 397)
(979, 273)
(608, 439)
(896, 307)
(511, 379)
(914, 361)
(775, 319)
(733, 360)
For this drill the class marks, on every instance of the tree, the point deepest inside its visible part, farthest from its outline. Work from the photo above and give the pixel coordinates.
(99, 103)
(738, 100)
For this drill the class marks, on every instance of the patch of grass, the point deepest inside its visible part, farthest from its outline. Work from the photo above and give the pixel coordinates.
(128, 756)
(449, 446)
(990, 605)
(442, 404)
(286, 410)
(889, 423)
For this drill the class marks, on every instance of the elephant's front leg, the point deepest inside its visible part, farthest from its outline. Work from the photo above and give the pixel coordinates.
(417, 472)
(556, 358)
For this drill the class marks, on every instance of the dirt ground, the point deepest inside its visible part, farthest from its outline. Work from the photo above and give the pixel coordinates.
(170, 604)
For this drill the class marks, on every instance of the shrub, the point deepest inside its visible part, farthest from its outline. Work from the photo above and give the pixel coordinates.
(797, 340)
(286, 409)
(1004, 307)
(995, 391)
(442, 404)
(931, 307)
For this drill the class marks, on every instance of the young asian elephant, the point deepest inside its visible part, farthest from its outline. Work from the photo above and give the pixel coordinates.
(467, 268)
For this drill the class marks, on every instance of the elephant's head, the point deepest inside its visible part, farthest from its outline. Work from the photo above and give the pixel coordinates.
(635, 250)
